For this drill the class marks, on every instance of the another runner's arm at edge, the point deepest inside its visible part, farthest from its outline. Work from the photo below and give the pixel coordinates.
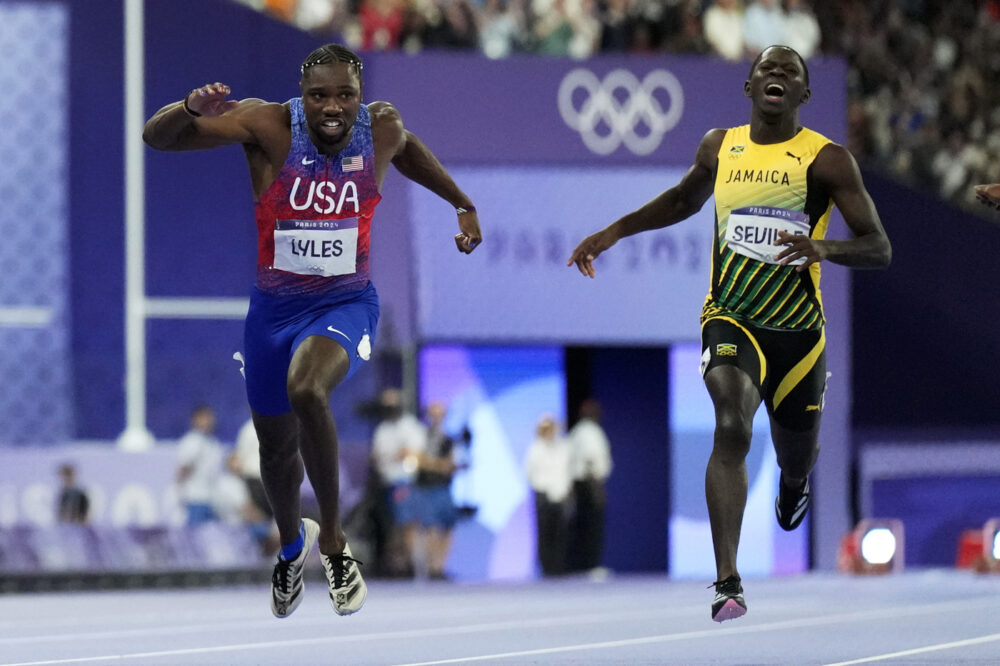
(672, 206)
(836, 170)
(415, 161)
(221, 121)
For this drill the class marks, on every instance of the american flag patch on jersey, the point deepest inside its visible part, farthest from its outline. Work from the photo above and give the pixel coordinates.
(352, 164)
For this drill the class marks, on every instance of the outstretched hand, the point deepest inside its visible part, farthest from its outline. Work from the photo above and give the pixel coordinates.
(470, 236)
(210, 100)
(989, 195)
(799, 246)
(588, 250)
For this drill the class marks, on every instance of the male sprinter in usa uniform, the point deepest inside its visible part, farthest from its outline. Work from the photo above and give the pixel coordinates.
(317, 164)
(762, 324)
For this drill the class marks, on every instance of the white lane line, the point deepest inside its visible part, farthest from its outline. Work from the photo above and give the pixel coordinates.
(929, 648)
(713, 633)
(377, 636)
(203, 627)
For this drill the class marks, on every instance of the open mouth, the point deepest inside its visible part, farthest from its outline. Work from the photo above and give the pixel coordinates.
(774, 91)
(332, 125)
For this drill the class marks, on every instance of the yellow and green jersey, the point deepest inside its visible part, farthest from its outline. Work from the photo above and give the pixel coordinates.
(761, 189)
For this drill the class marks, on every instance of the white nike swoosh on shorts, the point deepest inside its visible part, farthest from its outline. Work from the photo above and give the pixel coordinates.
(333, 330)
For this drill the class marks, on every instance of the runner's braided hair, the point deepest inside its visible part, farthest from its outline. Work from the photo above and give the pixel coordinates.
(332, 53)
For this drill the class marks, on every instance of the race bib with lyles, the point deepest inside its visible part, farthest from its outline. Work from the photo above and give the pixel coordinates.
(316, 247)
(751, 231)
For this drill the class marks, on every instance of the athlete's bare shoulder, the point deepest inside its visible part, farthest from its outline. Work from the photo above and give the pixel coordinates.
(269, 125)
(384, 116)
(713, 139)
(388, 133)
(261, 115)
(708, 149)
(834, 165)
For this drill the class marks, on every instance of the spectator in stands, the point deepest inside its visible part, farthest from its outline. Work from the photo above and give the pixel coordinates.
(438, 515)
(502, 28)
(616, 26)
(763, 25)
(590, 464)
(449, 24)
(281, 9)
(586, 30)
(553, 28)
(322, 17)
(397, 443)
(74, 504)
(381, 24)
(199, 464)
(723, 28)
(548, 471)
(686, 35)
(802, 31)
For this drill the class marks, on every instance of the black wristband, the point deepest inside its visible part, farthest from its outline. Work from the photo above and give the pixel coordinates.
(188, 110)
(462, 210)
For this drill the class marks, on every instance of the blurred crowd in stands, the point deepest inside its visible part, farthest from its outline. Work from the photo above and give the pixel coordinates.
(921, 103)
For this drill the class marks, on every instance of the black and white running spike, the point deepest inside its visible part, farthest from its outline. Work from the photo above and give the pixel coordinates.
(347, 588)
(791, 505)
(286, 581)
(728, 603)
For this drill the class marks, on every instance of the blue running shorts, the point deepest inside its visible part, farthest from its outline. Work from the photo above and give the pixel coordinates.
(277, 325)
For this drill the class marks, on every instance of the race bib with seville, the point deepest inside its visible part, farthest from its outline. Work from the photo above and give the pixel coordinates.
(316, 247)
(751, 231)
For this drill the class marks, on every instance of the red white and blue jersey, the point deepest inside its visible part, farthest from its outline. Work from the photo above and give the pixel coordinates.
(314, 221)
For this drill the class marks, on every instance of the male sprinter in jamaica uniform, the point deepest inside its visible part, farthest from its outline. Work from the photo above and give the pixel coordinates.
(762, 324)
(317, 164)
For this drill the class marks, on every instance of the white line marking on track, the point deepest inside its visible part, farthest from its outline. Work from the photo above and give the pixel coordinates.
(204, 627)
(714, 632)
(929, 648)
(377, 636)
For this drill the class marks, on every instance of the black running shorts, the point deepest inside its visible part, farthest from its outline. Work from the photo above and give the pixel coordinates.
(787, 367)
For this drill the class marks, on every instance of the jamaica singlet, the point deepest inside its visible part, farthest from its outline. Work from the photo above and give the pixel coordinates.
(314, 221)
(761, 189)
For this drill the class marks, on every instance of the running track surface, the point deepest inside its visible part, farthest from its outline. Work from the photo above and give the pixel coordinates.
(926, 617)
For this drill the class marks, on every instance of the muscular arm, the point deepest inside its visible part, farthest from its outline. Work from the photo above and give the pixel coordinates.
(836, 170)
(397, 145)
(672, 206)
(222, 122)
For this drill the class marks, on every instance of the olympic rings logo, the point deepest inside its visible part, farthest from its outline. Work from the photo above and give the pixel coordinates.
(640, 108)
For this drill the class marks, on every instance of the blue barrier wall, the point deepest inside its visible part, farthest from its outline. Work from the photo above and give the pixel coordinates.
(926, 358)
